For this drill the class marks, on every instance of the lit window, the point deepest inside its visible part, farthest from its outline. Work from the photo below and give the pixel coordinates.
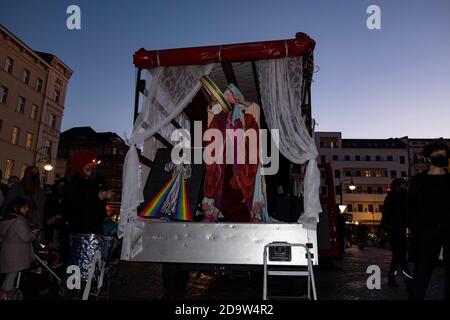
(26, 76)
(15, 135)
(22, 171)
(9, 64)
(9, 168)
(379, 173)
(3, 94)
(29, 142)
(21, 104)
(367, 173)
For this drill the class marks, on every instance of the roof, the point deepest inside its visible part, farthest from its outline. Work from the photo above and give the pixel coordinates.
(252, 51)
(374, 143)
(89, 135)
(45, 58)
(48, 57)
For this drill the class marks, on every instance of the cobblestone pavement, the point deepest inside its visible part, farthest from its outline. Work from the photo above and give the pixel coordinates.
(341, 280)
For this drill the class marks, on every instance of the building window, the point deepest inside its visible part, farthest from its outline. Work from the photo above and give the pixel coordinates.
(348, 173)
(49, 145)
(359, 190)
(402, 159)
(15, 135)
(360, 208)
(21, 104)
(377, 158)
(357, 158)
(369, 190)
(3, 94)
(379, 190)
(337, 189)
(367, 173)
(26, 76)
(9, 64)
(403, 174)
(324, 191)
(39, 84)
(367, 158)
(9, 169)
(29, 142)
(323, 159)
(34, 112)
(22, 170)
(378, 173)
(390, 158)
(350, 207)
(57, 96)
(370, 207)
(337, 173)
(335, 158)
(358, 173)
(52, 120)
(347, 158)
(380, 208)
(393, 174)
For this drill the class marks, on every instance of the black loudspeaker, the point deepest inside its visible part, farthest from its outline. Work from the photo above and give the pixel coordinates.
(158, 177)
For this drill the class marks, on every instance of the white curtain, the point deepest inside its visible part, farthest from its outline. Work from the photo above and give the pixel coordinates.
(281, 94)
(170, 90)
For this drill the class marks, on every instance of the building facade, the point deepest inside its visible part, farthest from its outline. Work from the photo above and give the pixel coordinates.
(33, 88)
(109, 147)
(368, 164)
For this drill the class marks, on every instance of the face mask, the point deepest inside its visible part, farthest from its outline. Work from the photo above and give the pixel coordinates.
(439, 161)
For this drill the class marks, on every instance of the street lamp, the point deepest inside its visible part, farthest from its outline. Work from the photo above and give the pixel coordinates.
(351, 187)
(44, 158)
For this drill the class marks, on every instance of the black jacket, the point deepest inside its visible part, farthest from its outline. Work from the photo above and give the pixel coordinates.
(428, 204)
(395, 211)
(86, 210)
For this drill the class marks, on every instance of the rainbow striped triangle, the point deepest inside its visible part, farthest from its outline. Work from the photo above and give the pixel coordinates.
(182, 211)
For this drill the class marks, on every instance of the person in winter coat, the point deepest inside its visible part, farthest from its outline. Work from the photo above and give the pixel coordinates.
(56, 218)
(394, 221)
(86, 214)
(16, 237)
(429, 207)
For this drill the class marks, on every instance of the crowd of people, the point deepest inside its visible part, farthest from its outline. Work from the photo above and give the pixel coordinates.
(48, 215)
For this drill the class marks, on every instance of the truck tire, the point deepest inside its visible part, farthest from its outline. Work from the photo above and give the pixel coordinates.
(175, 278)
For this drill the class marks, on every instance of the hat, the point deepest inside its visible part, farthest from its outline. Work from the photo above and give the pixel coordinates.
(81, 158)
(215, 92)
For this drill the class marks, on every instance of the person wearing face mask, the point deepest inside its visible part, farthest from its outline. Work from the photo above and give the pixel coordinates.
(394, 221)
(429, 206)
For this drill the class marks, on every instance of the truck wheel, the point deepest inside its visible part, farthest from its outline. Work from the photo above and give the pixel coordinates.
(175, 279)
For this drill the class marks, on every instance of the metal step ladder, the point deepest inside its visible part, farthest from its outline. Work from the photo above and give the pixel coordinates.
(285, 255)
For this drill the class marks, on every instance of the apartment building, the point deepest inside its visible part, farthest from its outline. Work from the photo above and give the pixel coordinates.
(368, 164)
(33, 88)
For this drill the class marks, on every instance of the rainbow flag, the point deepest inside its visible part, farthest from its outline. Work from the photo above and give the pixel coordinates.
(182, 208)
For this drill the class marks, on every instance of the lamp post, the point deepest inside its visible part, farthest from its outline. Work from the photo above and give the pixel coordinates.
(44, 158)
(351, 187)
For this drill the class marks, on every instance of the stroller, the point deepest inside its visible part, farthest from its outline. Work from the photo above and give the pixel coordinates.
(41, 276)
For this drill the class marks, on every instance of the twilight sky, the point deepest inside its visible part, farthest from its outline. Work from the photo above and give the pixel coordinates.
(383, 83)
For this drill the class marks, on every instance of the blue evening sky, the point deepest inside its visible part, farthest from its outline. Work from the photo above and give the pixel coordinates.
(383, 83)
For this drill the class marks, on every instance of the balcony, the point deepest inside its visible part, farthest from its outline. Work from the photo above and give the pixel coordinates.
(50, 130)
